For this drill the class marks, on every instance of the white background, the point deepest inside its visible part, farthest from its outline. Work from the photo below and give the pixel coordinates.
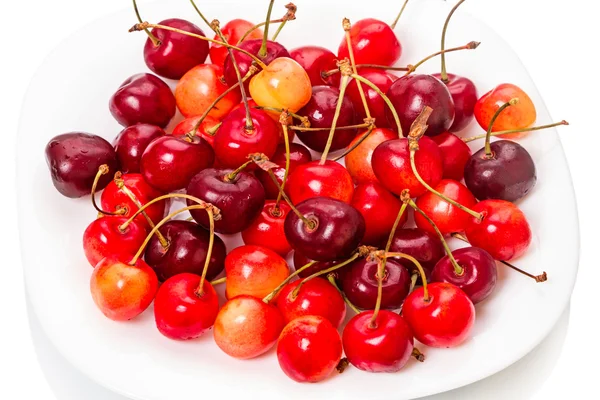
(557, 41)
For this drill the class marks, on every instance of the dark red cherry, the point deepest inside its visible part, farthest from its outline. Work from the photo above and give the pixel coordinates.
(411, 93)
(240, 199)
(177, 53)
(426, 247)
(478, 274)
(377, 106)
(508, 174)
(455, 155)
(186, 252)
(316, 60)
(267, 229)
(301, 260)
(464, 95)
(320, 111)
(325, 180)
(359, 282)
(337, 229)
(131, 143)
(74, 158)
(169, 162)
(299, 155)
(373, 42)
(143, 98)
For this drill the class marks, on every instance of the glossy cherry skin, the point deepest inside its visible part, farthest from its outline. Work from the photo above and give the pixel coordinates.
(320, 111)
(73, 160)
(316, 60)
(338, 232)
(247, 327)
(187, 125)
(104, 238)
(313, 180)
(267, 229)
(509, 174)
(373, 42)
(359, 161)
(113, 199)
(233, 142)
(301, 260)
(411, 93)
(200, 87)
(391, 164)
(232, 31)
(122, 291)
(131, 142)
(479, 276)
(504, 231)
(299, 155)
(254, 271)
(240, 200)
(187, 251)
(377, 105)
(447, 217)
(359, 282)
(424, 246)
(169, 162)
(177, 53)
(379, 208)
(464, 95)
(455, 155)
(180, 312)
(309, 349)
(143, 98)
(385, 347)
(445, 320)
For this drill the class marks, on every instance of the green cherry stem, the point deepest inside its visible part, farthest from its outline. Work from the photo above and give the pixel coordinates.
(102, 170)
(309, 223)
(507, 132)
(155, 41)
(347, 26)
(283, 120)
(287, 280)
(393, 25)
(488, 148)
(469, 46)
(380, 274)
(355, 145)
(331, 279)
(201, 15)
(290, 15)
(419, 268)
(230, 177)
(444, 74)
(215, 282)
(338, 108)
(337, 128)
(211, 241)
(263, 48)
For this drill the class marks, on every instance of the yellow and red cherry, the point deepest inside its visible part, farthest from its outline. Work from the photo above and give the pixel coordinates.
(267, 229)
(464, 96)
(317, 60)
(205, 129)
(455, 155)
(130, 144)
(232, 31)
(104, 238)
(244, 61)
(301, 260)
(424, 246)
(299, 155)
(309, 349)
(314, 179)
(375, 102)
(373, 42)
(358, 161)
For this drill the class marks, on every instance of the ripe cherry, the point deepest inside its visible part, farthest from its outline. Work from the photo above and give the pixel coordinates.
(299, 155)
(267, 229)
(314, 179)
(104, 237)
(375, 102)
(206, 130)
(232, 32)
(373, 41)
(301, 260)
(143, 98)
(464, 96)
(131, 142)
(316, 60)
(455, 155)
(309, 349)
(359, 161)
(420, 244)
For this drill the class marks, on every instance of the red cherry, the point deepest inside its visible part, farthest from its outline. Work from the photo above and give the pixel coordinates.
(377, 105)
(359, 161)
(314, 179)
(424, 246)
(301, 260)
(232, 32)
(131, 142)
(385, 347)
(309, 349)
(187, 125)
(464, 95)
(445, 319)
(180, 312)
(267, 229)
(299, 155)
(455, 155)
(504, 231)
(104, 238)
(316, 60)
(373, 42)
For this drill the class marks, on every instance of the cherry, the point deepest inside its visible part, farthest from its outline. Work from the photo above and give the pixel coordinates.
(373, 41)
(320, 111)
(359, 161)
(411, 93)
(74, 158)
(232, 32)
(200, 87)
(170, 162)
(314, 179)
(131, 142)
(299, 155)
(442, 316)
(267, 229)
(247, 327)
(177, 53)
(476, 275)
(206, 130)
(316, 60)
(448, 218)
(143, 98)
(105, 238)
(385, 347)
(122, 291)
(391, 164)
(507, 173)
(238, 195)
(379, 208)
(464, 96)
(455, 155)
(329, 230)
(503, 232)
(301, 260)
(309, 349)
(420, 244)
(376, 104)
(186, 251)
(180, 312)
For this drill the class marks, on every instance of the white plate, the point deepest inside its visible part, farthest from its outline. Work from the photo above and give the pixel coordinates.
(71, 91)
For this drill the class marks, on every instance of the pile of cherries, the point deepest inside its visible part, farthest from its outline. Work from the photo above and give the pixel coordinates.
(233, 162)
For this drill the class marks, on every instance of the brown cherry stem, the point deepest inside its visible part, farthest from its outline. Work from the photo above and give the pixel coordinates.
(211, 242)
(155, 41)
(287, 280)
(357, 143)
(338, 109)
(331, 279)
(283, 120)
(309, 223)
(215, 282)
(102, 170)
(393, 25)
(417, 355)
(444, 74)
(347, 26)
(419, 268)
(507, 132)
(488, 148)
(230, 177)
(469, 46)
(263, 48)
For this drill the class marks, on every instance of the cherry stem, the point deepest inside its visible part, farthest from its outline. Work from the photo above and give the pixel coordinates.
(287, 280)
(290, 15)
(469, 46)
(145, 25)
(356, 144)
(102, 170)
(380, 273)
(337, 128)
(255, 27)
(444, 74)
(413, 282)
(498, 133)
(218, 281)
(419, 268)
(280, 110)
(338, 109)
(230, 177)
(263, 48)
(416, 353)
(347, 26)
(213, 131)
(155, 41)
(202, 16)
(211, 241)
(284, 121)
(309, 223)
(331, 279)
(395, 226)
(327, 74)
(393, 25)
(488, 148)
